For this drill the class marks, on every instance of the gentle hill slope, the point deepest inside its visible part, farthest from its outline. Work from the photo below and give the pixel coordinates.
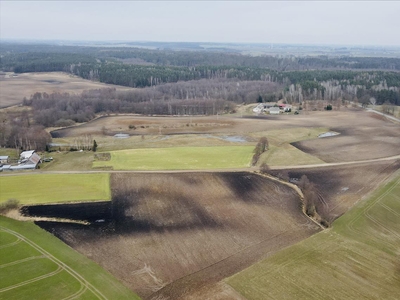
(357, 258)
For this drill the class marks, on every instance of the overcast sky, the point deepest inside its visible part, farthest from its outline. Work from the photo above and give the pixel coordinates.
(311, 22)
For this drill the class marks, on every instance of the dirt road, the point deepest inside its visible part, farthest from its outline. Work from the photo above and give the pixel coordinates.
(249, 169)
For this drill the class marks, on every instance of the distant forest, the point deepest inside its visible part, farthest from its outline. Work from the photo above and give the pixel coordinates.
(289, 77)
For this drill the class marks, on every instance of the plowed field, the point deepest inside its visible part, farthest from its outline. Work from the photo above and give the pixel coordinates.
(340, 187)
(172, 235)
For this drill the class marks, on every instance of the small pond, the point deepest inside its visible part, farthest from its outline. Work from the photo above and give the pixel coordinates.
(328, 134)
(236, 139)
(121, 135)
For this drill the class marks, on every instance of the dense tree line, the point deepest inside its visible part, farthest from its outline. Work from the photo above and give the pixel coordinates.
(63, 109)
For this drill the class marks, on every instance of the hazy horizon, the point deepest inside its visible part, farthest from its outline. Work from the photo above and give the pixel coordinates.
(357, 23)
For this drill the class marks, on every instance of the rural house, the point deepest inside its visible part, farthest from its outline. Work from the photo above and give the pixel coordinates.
(4, 159)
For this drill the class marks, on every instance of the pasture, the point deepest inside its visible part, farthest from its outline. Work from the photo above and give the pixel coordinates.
(36, 265)
(14, 89)
(49, 188)
(179, 158)
(356, 259)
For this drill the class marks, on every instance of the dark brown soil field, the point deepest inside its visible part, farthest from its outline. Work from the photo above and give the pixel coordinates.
(85, 211)
(362, 134)
(340, 187)
(175, 236)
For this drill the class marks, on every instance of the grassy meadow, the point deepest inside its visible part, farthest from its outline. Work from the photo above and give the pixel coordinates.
(282, 153)
(49, 188)
(179, 158)
(36, 265)
(355, 259)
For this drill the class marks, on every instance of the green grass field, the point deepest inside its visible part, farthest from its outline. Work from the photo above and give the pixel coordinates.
(180, 158)
(36, 265)
(287, 155)
(358, 258)
(46, 188)
(282, 153)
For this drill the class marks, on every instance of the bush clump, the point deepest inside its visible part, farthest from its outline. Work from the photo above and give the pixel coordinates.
(8, 205)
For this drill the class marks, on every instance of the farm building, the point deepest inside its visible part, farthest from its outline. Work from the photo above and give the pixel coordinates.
(27, 160)
(259, 108)
(274, 111)
(4, 159)
(26, 155)
(285, 107)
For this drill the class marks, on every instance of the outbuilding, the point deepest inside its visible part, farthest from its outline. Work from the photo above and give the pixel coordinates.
(274, 111)
(4, 159)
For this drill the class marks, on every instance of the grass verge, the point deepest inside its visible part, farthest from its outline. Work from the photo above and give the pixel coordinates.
(48, 188)
(42, 267)
(356, 259)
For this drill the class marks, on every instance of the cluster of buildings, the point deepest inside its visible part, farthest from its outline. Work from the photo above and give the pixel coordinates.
(272, 108)
(27, 160)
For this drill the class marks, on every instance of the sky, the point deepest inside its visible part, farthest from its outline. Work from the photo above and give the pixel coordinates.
(294, 22)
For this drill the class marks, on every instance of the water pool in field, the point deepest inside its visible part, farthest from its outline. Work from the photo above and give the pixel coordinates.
(229, 138)
(121, 135)
(328, 134)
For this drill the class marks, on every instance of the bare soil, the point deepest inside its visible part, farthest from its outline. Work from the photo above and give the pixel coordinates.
(175, 236)
(14, 89)
(362, 136)
(340, 187)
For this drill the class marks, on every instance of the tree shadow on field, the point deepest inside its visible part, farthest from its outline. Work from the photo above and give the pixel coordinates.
(243, 185)
(138, 211)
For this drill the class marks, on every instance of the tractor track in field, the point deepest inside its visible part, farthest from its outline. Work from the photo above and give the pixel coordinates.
(16, 262)
(61, 267)
(366, 213)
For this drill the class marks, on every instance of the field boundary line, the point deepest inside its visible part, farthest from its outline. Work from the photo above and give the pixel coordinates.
(16, 262)
(68, 269)
(299, 193)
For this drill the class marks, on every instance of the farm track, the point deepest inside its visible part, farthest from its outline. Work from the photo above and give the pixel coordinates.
(61, 267)
(249, 169)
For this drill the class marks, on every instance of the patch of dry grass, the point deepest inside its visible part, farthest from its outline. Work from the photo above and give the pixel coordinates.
(14, 89)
